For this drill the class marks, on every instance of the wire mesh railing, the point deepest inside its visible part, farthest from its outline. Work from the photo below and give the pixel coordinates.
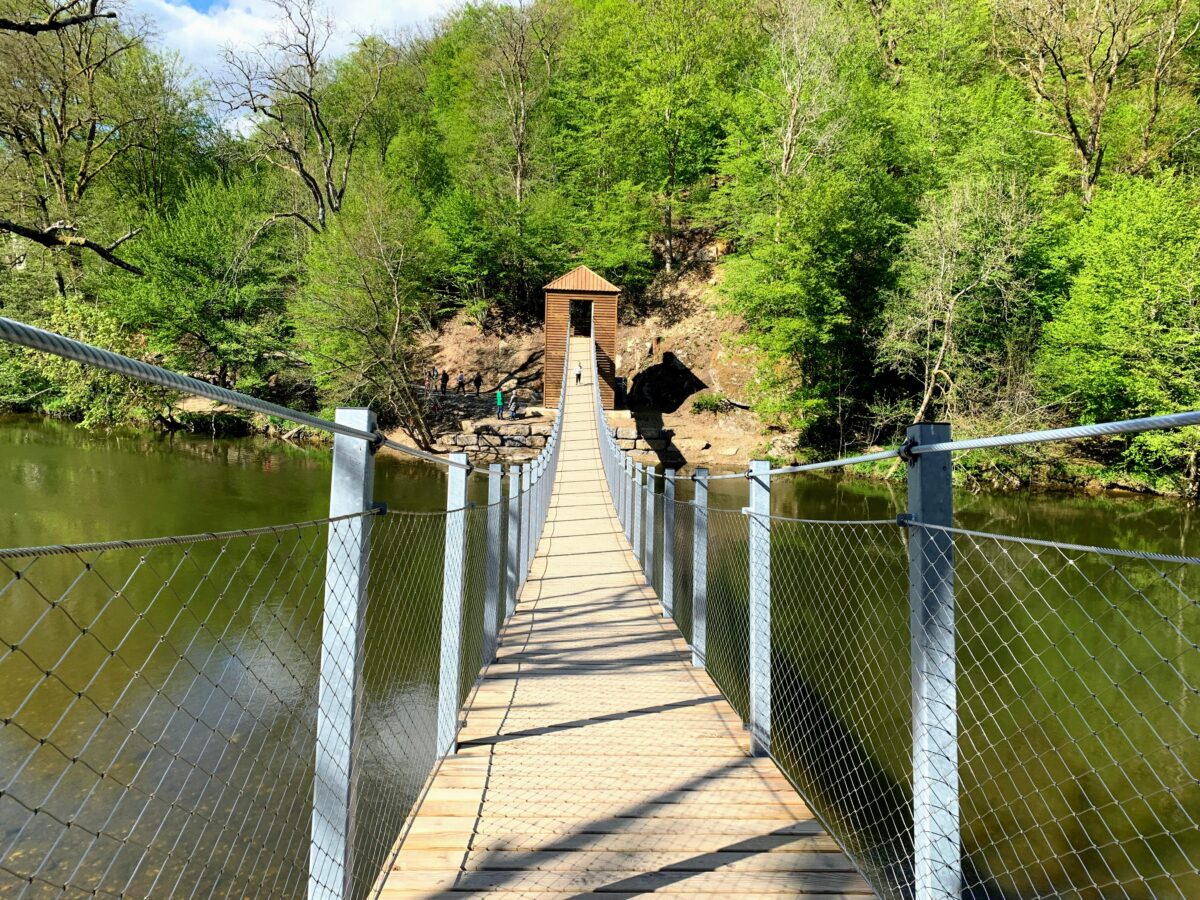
(970, 715)
(248, 713)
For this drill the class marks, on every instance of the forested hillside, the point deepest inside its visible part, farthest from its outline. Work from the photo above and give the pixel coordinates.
(986, 211)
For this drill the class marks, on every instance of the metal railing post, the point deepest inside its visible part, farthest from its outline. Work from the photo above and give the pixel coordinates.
(495, 555)
(526, 519)
(937, 866)
(760, 606)
(627, 492)
(514, 539)
(636, 494)
(668, 579)
(351, 491)
(700, 569)
(452, 605)
(648, 530)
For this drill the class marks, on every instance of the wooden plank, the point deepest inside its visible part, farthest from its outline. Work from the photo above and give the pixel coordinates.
(732, 884)
(594, 759)
(624, 861)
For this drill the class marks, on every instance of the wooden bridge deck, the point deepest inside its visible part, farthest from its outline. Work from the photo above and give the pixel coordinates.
(595, 759)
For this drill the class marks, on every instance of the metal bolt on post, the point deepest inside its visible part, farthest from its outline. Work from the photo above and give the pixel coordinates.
(491, 597)
(760, 606)
(351, 487)
(452, 605)
(668, 578)
(937, 867)
(700, 569)
(514, 540)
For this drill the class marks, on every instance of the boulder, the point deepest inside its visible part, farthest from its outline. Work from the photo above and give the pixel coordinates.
(522, 430)
(465, 440)
(541, 428)
(691, 445)
(627, 434)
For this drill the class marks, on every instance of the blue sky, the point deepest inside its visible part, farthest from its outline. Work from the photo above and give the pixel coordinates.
(199, 29)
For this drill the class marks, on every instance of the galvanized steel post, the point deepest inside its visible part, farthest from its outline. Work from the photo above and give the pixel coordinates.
(636, 494)
(759, 526)
(937, 866)
(668, 577)
(648, 530)
(491, 597)
(452, 605)
(514, 540)
(700, 569)
(627, 490)
(351, 486)
(526, 520)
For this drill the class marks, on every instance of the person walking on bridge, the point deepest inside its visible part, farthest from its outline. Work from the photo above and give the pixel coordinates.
(578, 372)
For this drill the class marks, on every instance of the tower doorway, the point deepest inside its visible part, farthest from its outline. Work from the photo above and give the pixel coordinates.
(581, 318)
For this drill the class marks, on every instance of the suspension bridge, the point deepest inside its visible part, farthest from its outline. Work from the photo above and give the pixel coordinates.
(597, 682)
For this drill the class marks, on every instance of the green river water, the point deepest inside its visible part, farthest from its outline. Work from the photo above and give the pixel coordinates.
(1077, 672)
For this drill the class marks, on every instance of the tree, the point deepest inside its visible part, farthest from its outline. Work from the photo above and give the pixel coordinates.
(956, 274)
(1124, 342)
(1081, 57)
(366, 304)
(284, 87)
(63, 132)
(211, 301)
(51, 16)
(523, 45)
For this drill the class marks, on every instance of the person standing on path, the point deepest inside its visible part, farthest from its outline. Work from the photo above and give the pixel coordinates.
(478, 382)
(445, 379)
(578, 372)
(499, 403)
(460, 386)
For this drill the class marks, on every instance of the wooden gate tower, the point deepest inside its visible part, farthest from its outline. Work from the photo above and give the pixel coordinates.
(581, 284)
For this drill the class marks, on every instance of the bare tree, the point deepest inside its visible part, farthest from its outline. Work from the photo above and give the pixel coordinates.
(284, 87)
(808, 37)
(61, 132)
(886, 36)
(961, 252)
(523, 41)
(53, 16)
(1075, 55)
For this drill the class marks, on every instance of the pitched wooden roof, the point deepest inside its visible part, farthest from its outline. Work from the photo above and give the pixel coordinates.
(582, 279)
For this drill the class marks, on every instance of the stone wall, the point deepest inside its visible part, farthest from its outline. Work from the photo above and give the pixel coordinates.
(493, 439)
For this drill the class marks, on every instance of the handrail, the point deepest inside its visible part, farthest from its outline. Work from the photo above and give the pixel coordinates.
(48, 342)
(1073, 433)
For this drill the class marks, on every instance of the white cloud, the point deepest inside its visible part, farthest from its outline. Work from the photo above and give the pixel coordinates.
(200, 36)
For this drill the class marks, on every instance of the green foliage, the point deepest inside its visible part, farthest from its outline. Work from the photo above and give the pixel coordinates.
(211, 301)
(710, 403)
(367, 300)
(1125, 341)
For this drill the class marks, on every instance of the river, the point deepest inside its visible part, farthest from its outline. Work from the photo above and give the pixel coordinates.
(1063, 659)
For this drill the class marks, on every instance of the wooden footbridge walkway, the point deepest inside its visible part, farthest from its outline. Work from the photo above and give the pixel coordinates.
(594, 758)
